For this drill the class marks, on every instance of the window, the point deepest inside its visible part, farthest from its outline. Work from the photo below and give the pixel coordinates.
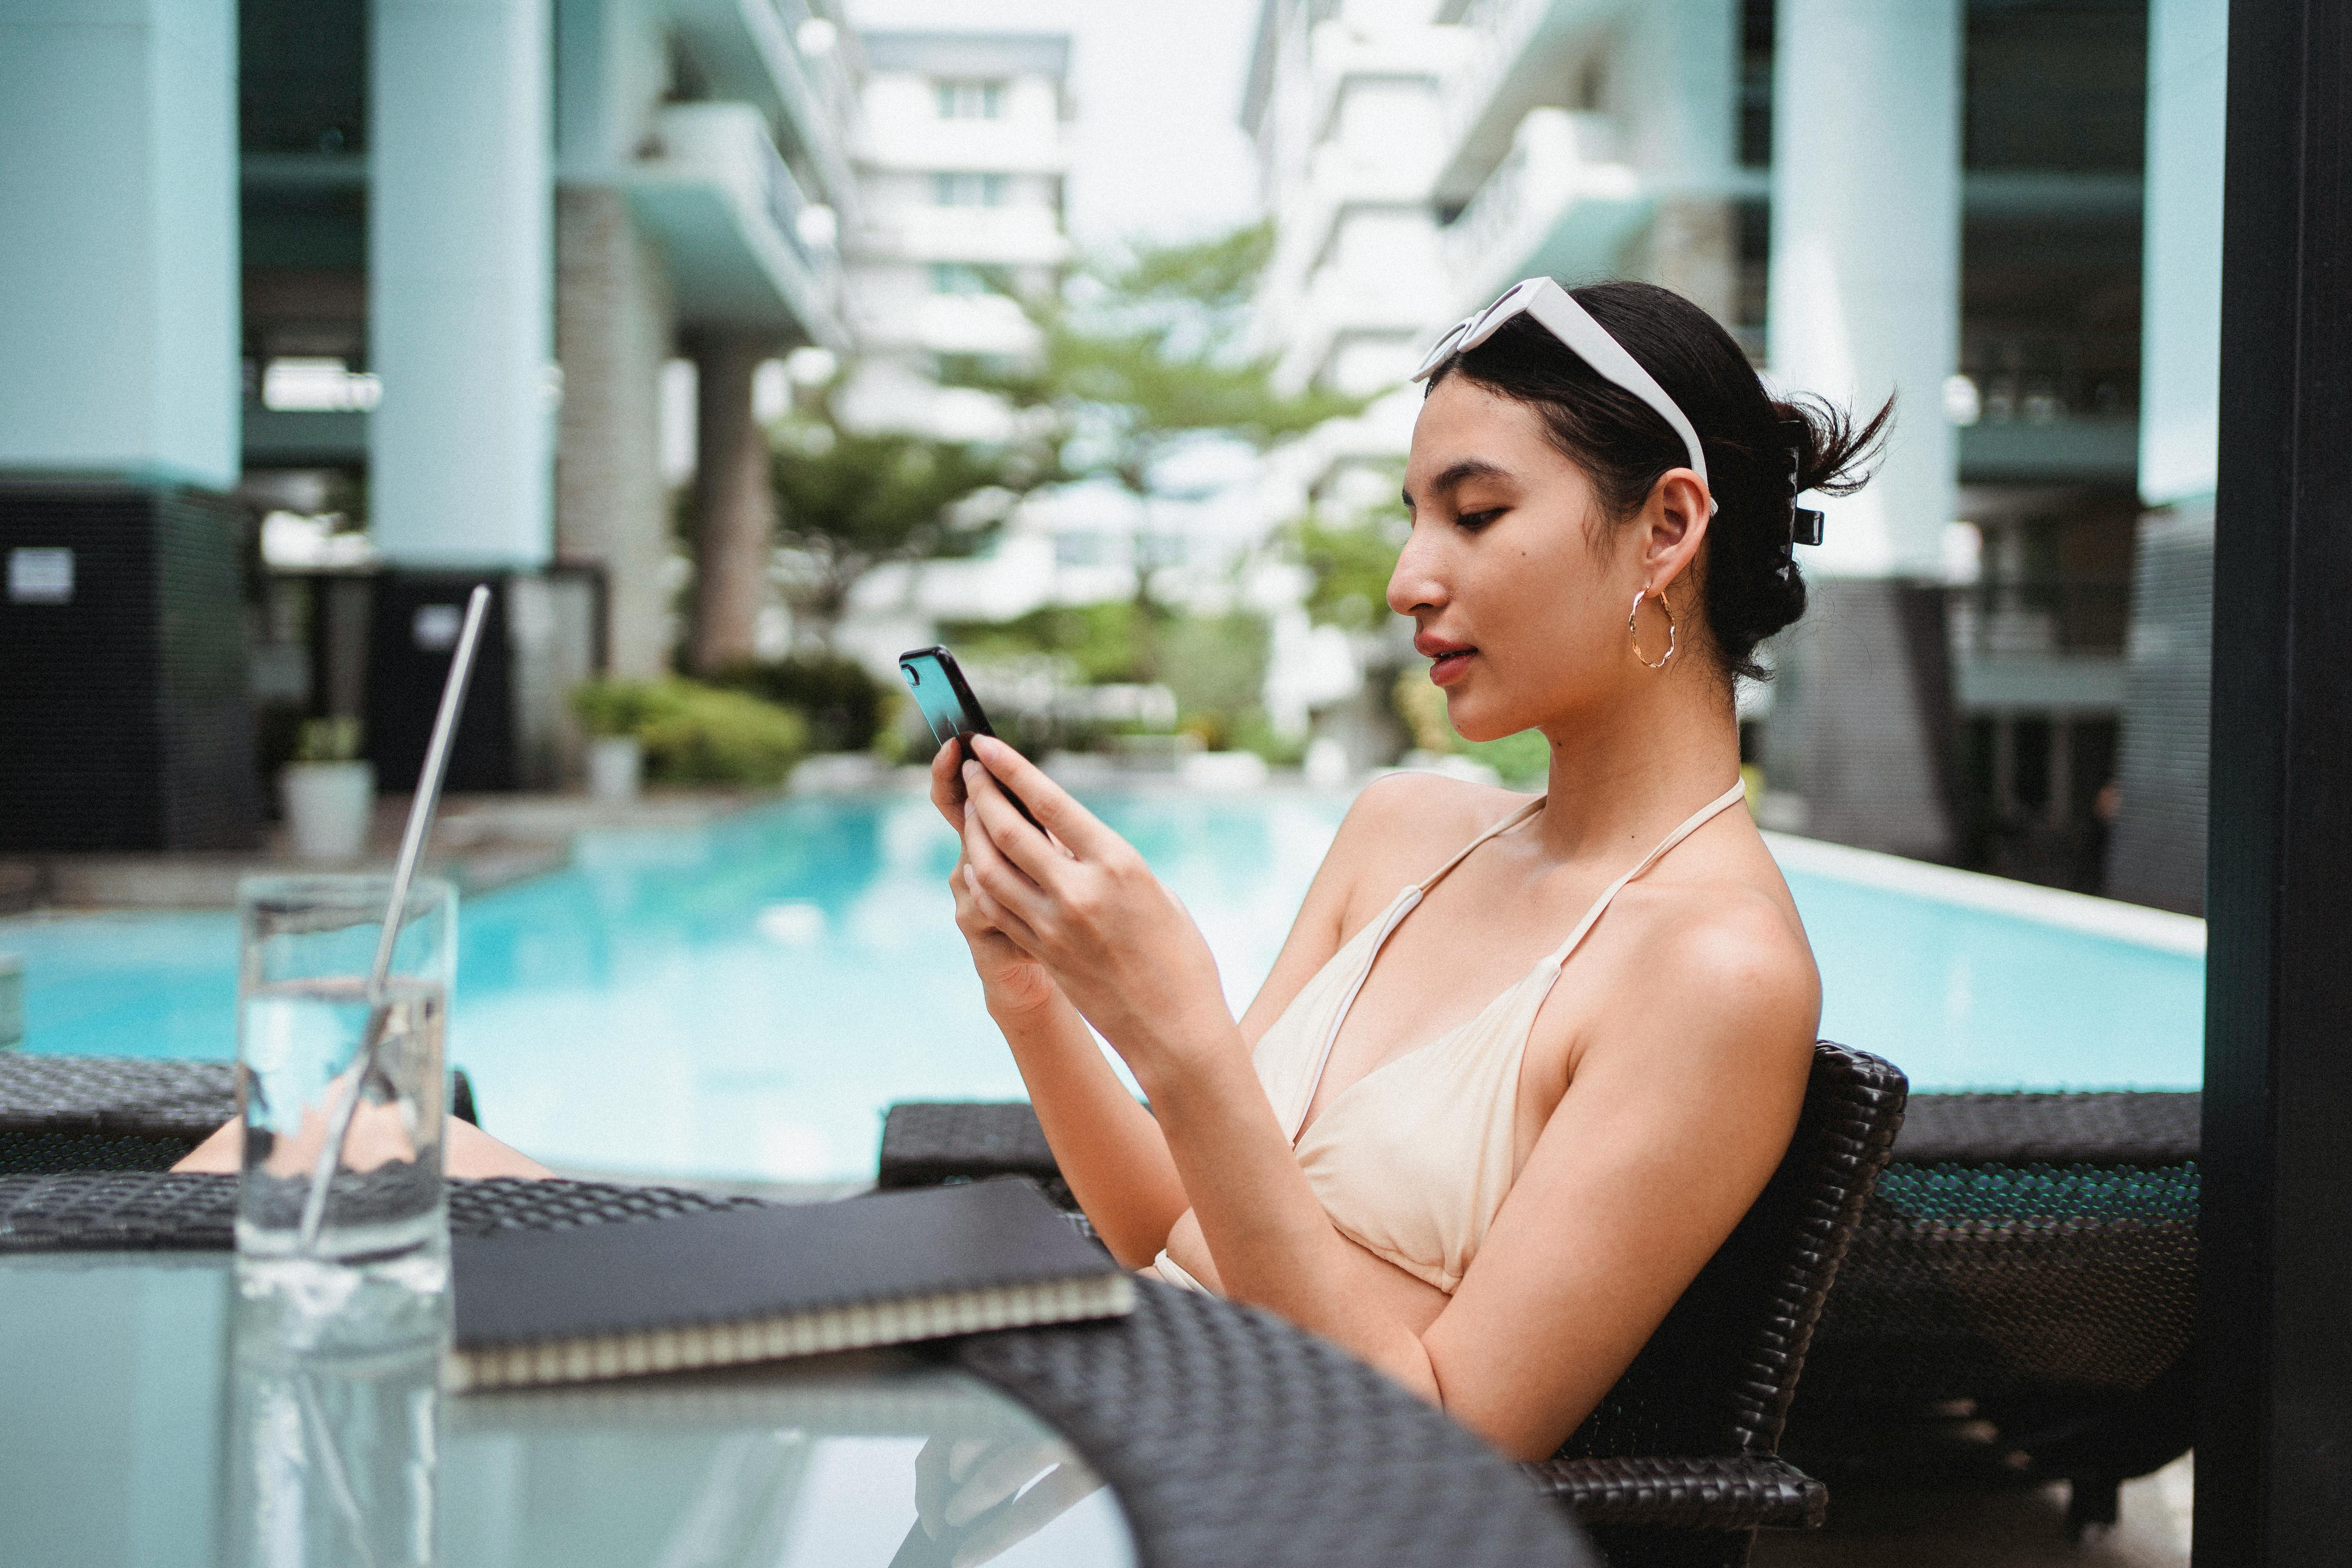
(966, 190)
(957, 278)
(970, 99)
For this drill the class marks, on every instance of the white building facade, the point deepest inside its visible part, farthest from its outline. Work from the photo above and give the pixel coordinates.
(1940, 201)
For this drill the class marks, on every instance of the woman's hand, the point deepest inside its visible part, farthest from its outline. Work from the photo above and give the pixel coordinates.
(1083, 905)
(1011, 981)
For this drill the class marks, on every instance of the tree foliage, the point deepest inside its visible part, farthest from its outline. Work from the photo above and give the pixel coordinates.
(849, 499)
(1142, 355)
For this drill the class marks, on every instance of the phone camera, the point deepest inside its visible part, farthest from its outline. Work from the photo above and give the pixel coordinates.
(914, 677)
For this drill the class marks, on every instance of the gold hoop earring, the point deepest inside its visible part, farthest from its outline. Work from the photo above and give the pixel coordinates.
(1634, 629)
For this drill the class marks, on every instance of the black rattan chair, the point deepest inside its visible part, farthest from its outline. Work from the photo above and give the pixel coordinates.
(1677, 1464)
(122, 1113)
(2018, 1302)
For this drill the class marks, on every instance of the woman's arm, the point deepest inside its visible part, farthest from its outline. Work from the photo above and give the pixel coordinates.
(1083, 907)
(1110, 1149)
(1662, 1139)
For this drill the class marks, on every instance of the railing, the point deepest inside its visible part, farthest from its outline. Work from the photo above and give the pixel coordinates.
(2042, 377)
(1555, 153)
(2065, 617)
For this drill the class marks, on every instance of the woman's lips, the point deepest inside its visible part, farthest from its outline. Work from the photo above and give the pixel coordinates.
(1447, 669)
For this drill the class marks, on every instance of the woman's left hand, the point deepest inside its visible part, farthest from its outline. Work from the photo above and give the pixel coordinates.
(1084, 905)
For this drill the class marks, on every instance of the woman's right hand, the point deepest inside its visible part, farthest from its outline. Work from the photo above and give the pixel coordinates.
(1011, 981)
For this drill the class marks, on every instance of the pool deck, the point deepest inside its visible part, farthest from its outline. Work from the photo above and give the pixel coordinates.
(481, 842)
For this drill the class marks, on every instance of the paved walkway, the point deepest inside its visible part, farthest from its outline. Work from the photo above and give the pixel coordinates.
(481, 842)
(2010, 1530)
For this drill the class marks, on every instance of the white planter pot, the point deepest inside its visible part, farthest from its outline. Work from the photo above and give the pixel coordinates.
(328, 808)
(616, 764)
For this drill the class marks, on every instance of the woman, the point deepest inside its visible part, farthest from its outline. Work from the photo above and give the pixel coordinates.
(1414, 1142)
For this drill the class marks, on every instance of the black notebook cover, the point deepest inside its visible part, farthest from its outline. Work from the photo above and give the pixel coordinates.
(738, 1285)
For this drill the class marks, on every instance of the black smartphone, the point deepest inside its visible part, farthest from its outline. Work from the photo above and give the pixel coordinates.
(949, 707)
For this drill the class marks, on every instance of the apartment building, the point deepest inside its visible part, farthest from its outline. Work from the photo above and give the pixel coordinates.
(1950, 200)
(418, 265)
(961, 156)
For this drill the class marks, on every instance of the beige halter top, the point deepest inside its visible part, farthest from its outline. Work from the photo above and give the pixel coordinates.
(1413, 1160)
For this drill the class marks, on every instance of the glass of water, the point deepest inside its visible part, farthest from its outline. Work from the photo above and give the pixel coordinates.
(305, 1018)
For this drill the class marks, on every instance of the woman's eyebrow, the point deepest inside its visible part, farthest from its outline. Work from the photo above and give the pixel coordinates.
(1456, 474)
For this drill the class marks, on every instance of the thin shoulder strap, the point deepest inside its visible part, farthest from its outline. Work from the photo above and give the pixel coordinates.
(1691, 824)
(1513, 820)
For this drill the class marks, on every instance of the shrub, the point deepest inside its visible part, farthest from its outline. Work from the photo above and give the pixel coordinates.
(610, 709)
(327, 740)
(704, 734)
(694, 733)
(845, 705)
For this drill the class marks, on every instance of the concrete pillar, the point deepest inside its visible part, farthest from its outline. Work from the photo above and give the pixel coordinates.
(612, 329)
(734, 504)
(459, 282)
(1865, 302)
(1677, 80)
(1865, 267)
(2158, 854)
(2180, 314)
(119, 247)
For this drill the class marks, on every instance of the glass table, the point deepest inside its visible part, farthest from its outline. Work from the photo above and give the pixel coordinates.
(150, 1425)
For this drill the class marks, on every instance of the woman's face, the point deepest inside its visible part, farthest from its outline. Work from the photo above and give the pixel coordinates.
(1516, 586)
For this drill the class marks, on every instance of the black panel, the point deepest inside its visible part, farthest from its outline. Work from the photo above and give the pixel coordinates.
(404, 686)
(123, 718)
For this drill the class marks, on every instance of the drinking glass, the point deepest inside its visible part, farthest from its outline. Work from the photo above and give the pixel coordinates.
(307, 946)
(331, 1454)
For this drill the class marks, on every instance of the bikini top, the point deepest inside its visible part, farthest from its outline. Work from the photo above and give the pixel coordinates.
(1412, 1160)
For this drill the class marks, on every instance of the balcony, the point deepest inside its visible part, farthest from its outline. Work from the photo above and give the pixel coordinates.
(1509, 62)
(1343, 306)
(1013, 236)
(782, 59)
(2049, 407)
(745, 247)
(1559, 204)
(1341, 54)
(2048, 644)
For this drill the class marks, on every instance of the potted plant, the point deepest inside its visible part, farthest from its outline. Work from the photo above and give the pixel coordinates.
(329, 792)
(613, 711)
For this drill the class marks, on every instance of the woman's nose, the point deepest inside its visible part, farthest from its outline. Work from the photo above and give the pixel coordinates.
(1416, 582)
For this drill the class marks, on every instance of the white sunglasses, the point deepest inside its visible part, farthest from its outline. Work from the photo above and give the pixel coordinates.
(1559, 313)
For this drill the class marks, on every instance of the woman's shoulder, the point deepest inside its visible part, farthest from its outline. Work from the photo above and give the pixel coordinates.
(1727, 949)
(1409, 813)
(1400, 829)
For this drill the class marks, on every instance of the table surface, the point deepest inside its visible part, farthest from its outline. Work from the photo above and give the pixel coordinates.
(141, 1432)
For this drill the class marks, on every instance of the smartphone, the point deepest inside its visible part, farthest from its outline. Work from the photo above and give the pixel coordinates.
(949, 707)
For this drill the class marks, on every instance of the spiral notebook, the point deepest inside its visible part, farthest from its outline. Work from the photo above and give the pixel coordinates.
(745, 1285)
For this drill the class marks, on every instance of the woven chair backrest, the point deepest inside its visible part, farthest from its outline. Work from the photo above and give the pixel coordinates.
(1717, 1376)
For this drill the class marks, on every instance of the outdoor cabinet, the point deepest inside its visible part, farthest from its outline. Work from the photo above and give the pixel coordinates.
(125, 722)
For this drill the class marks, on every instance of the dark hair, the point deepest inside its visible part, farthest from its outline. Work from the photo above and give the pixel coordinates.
(1624, 446)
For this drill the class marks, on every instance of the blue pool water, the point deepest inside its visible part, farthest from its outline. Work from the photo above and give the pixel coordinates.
(745, 999)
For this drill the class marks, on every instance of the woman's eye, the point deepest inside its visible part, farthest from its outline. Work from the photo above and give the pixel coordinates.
(1474, 520)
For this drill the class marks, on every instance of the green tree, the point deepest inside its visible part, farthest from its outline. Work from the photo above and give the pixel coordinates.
(1142, 356)
(848, 500)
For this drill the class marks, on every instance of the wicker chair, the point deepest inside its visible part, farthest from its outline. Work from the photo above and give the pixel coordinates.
(121, 1114)
(2018, 1302)
(1676, 1465)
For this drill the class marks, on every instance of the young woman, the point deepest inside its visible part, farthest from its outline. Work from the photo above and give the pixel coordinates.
(1522, 1063)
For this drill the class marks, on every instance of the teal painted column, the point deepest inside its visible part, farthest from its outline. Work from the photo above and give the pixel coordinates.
(1865, 267)
(119, 240)
(2180, 329)
(459, 283)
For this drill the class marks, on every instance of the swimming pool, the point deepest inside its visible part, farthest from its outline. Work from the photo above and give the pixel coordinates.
(744, 999)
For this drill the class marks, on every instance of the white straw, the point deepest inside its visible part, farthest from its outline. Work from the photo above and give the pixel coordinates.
(403, 872)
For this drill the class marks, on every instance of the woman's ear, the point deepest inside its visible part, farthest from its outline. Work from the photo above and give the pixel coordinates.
(1673, 526)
